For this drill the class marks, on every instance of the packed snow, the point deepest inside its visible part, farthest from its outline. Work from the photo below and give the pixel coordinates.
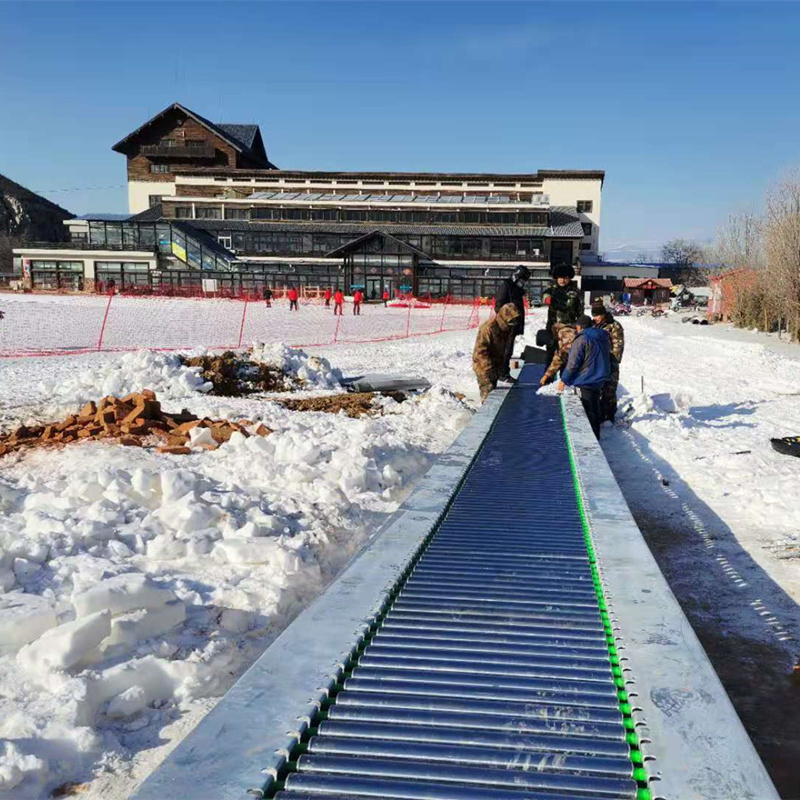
(136, 587)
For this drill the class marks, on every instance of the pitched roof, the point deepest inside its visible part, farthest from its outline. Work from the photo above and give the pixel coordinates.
(241, 137)
(564, 221)
(152, 214)
(635, 283)
(350, 246)
(244, 134)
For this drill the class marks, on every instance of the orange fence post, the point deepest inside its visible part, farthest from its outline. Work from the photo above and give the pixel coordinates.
(105, 319)
(336, 332)
(241, 327)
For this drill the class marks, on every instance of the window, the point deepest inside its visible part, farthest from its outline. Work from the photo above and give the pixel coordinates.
(159, 168)
(237, 213)
(586, 245)
(167, 143)
(155, 199)
(183, 212)
(584, 206)
(208, 212)
(587, 228)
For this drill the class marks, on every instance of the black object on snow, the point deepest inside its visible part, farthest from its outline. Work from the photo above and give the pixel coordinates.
(534, 355)
(789, 445)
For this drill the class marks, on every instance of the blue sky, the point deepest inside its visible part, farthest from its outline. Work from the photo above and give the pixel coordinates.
(691, 108)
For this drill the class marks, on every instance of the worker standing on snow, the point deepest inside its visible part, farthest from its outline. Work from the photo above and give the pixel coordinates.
(608, 396)
(293, 299)
(358, 298)
(489, 355)
(512, 290)
(267, 295)
(588, 368)
(385, 297)
(328, 295)
(564, 303)
(338, 303)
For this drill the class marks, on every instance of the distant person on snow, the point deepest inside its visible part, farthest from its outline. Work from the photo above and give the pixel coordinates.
(608, 396)
(293, 299)
(386, 297)
(338, 303)
(588, 368)
(328, 295)
(358, 299)
(512, 290)
(267, 295)
(489, 355)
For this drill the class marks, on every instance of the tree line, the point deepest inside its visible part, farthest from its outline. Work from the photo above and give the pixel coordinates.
(759, 253)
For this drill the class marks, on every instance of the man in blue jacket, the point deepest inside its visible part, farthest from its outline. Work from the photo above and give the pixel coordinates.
(588, 368)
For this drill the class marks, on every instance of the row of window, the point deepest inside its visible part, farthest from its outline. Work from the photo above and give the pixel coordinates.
(316, 244)
(149, 235)
(280, 214)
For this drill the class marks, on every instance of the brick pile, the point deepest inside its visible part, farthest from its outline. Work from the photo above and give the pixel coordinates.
(135, 420)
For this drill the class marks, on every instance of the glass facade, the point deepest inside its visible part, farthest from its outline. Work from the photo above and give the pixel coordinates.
(57, 274)
(390, 215)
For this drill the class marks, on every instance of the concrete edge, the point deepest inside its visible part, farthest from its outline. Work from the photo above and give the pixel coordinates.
(698, 745)
(240, 744)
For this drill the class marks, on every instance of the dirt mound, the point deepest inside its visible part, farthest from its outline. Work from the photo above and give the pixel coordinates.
(135, 420)
(356, 404)
(235, 375)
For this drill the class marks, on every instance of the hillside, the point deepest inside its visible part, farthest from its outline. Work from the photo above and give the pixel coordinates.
(26, 217)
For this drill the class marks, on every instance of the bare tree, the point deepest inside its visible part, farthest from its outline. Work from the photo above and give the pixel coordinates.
(782, 252)
(681, 252)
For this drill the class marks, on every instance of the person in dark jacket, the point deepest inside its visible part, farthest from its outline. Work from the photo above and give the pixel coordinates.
(564, 303)
(588, 368)
(266, 294)
(512, 290)
(605, 320)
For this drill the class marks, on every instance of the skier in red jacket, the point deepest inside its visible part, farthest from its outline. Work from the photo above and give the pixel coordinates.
(358, 298)
(293, 298)
(386, 297)
(328, 295)
(338, 302)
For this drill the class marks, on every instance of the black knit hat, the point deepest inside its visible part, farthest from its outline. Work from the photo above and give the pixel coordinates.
(564, 271)
(585, 322)
(598, 308)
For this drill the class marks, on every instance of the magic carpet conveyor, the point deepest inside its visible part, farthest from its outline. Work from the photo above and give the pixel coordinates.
(506, 635)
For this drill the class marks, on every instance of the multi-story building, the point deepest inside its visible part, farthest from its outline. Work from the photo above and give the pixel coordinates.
(206, 201)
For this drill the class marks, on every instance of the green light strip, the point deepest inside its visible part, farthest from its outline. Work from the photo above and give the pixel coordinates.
(639, 772)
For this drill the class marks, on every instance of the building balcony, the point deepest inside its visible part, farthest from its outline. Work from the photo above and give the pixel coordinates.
(178, 151)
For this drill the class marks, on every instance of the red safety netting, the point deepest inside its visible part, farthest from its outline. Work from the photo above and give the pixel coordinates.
(36, 325)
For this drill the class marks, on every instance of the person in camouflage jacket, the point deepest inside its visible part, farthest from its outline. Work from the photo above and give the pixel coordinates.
(563, 336)
(608, 396)
(488, 357)
(563, 298)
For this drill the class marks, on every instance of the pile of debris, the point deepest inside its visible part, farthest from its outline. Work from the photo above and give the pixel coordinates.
(234, 375)
(136, 420)
(354, 404)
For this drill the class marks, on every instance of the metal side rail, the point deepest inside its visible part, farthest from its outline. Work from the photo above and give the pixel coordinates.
(491, 666)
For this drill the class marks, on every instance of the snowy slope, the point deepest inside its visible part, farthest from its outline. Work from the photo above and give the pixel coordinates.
(234, 542)
(267, 523)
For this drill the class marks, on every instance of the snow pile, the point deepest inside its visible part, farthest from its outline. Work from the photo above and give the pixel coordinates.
(143, 369)
(138, 584)
(315, 371)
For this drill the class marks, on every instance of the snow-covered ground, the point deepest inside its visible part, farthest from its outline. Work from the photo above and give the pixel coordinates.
(202, 559)
(233, 543)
